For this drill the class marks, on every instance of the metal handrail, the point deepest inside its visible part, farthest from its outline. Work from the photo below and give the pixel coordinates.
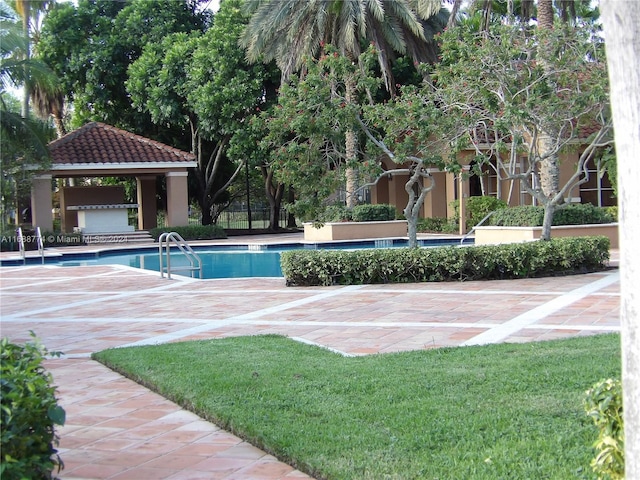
(40, 244)
(164, 251)
(21, 249)
(475, 226)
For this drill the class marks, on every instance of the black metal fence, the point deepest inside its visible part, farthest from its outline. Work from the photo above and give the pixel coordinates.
(238, 219)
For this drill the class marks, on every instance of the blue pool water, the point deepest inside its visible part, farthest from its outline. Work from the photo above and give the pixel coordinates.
(230, 261)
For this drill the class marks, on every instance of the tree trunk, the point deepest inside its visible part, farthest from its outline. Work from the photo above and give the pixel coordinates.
(274, 194)
(26, 17)
(549, 167)
(412, 230)
(351, 149)
(622, 28)
(454, 13)
(291, 218)
(205, 208)
(545, 14)
(549, 210)
(61, 131)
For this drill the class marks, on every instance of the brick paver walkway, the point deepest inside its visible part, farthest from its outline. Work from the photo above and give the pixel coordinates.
(117, 429)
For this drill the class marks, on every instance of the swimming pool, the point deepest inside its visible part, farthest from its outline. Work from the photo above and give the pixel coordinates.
(223, 261)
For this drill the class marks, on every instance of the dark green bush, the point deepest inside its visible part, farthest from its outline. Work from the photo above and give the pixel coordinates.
(29, 414)
(521, 216)
(485, 262)
(480, 207)
(191, 232)
(437, 224)
(582, 214)
(374, 213)
(533, 216)
(359, 213)
(603, 403)
(335, 213)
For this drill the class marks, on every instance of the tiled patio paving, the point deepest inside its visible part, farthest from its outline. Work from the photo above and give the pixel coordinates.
(117, 429)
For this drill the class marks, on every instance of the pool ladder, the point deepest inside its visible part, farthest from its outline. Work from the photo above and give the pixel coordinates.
(21, 246)
(164, 250)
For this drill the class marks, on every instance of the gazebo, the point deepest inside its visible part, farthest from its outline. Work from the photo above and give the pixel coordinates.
(99, 150)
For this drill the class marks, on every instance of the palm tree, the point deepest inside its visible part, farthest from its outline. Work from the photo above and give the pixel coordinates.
(287, 31)
(29, 11)
(47, 97)
(22, 140)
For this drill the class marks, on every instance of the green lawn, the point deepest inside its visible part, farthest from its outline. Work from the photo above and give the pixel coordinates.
(494, 412)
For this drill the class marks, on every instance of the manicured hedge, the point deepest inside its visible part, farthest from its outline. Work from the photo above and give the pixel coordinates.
(191, 232)
(558, 256)
(360, 213)
(374, 213)
(532, 216)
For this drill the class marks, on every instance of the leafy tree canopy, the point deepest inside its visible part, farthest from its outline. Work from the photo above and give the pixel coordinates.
(503, 98)
(91, 46)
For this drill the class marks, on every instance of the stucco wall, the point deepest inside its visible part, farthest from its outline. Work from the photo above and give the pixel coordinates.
(495, 235)
(355, 230)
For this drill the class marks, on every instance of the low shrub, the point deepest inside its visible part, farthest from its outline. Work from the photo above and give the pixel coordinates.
(480, 207)
(191, 232)
(603, 403)
(335, 213)
(437, 224)
(583, 214)
(485, 262)
(29, 413)
(520, 216)
(359, 213)
(613, 212)
(533, 216)
(374, 213)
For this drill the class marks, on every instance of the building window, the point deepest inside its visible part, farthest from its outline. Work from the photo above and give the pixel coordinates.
(597, 190)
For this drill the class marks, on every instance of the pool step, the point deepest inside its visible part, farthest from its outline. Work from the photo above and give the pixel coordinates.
(139, 236)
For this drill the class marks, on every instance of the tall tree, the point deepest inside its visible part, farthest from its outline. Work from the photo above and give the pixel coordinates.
(622, 28)
(306, 127)
(22, 140)
(91, 45)
(202, 84)
(288, 31)
(29, 11)
(503, 100)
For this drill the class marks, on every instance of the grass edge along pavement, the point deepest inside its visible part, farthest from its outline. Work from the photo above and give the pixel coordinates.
(496, 411)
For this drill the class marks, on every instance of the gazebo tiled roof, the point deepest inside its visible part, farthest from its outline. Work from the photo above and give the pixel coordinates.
(97, 144)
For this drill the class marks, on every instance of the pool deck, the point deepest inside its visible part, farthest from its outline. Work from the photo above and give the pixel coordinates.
(117, 429)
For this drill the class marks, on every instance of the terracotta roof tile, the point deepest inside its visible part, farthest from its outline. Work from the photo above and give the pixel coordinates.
(100, 143)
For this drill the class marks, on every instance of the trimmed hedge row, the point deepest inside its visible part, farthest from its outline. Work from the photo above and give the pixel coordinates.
(360, 213)
(533, 216)
(191, 232)
(558, 256)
